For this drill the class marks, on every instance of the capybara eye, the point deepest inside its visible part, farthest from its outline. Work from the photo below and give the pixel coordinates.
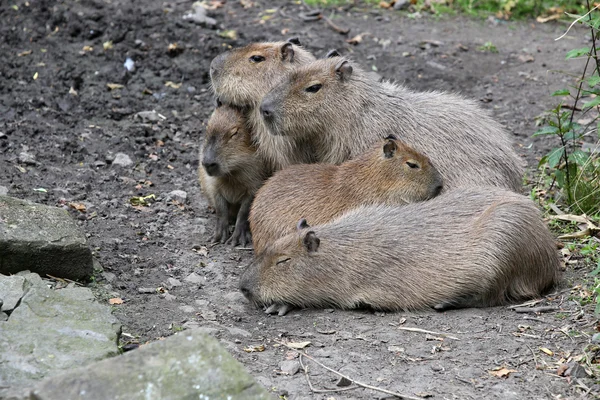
(257, 59)
(283, 261)
(314, 88)
(412, 165)
(234, 132)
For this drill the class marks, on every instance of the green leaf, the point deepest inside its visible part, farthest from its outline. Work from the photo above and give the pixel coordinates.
(593, 103)
(543, 161)
(593, 80)
(579, 157)
(554, 157)
(560, 178)
(547, 130)
(571, 135)
(561, 92)
(578, 53)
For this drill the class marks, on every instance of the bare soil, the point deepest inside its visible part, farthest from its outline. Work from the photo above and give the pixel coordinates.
(56, 107)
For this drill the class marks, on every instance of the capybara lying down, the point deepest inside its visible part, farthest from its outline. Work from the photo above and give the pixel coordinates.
(470, 247)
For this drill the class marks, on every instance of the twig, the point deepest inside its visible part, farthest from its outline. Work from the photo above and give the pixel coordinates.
(534, 319)
(534, 357)
(63, 279)
(401, 396)
(343, 31)
(305, 368)
(407, 328)
(574, 22)
(529, 303)
(542, 309)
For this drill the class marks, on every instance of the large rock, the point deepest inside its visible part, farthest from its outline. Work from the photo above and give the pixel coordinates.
(41, 239)
(189, 365)
(50, 331)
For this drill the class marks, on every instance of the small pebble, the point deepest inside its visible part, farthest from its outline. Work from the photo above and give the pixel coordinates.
(290, 367)
(122, 159)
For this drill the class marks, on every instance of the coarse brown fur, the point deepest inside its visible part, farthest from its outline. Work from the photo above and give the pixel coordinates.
(230, 172)
(390, 173)
(469, 247)
(241, 79)
(339, 111)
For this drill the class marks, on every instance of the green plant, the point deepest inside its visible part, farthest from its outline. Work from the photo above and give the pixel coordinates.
(488, 46)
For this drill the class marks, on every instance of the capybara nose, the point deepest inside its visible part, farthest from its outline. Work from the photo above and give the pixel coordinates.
(211, 168)
(217, 63)
(246, 291)
(267, 110)
(438, 190)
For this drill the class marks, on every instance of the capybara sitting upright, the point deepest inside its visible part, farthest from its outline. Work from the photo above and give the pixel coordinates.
(230, 172)
(242, 76)
(389, 173)
(338, 111)
(469, 247)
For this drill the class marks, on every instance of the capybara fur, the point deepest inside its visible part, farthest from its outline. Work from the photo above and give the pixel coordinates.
(468, 247)
(242, 76)
(389, 173)
(230, 172)
(339, 110)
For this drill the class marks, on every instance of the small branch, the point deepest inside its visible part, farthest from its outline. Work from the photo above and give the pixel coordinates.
(364, 385)
(534, 356)
(429, 332)
(343, 31)
(63, 280)
(542, 309)
(574, 22)
(305, 368)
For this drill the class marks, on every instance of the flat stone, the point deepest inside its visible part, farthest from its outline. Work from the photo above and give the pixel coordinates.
(3, 190)
(41, 239)
(12, 289)
(194, 278)
(187, 309)
(188, 365)
(54, 330)
(27, 158)
(177, 195)
(172, 282)
(122, 160)
(290, 367)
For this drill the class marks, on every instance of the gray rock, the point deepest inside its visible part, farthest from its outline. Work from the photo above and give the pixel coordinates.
(189, 365)
(194, 278)
(3, 190)
(3, 316)
(109, 276)
(177, 195)
(12, 289)
(596, 338)
(187, 309)
(172, 282)
(169, 297)
(54, 330)
(290, 367)
(122, 160)
(148, 116)
(27, 158)
(576, 371)
(239, 332)
(198, 16)
(41, 239)
(401, 4)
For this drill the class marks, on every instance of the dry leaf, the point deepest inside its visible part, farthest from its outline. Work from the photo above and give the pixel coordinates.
(543, 20)
(298, 345)
(24, 53)
(228, 34)
(246, 3)
(356, 39)
(384, 4)
(252, 349)
(114, 86)
(547, 351)
(115, 300)
(562, 370)
(107, 45)
(78, 206)
(173, 84)
(502, 372)
(88, 48)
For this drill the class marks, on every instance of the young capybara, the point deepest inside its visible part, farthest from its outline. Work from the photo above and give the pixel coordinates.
(468, 247)
(339, 111)
(390, 173)
(230, 172)
(242, 76)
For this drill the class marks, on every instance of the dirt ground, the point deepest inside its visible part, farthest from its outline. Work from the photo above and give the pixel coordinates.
(61, 127)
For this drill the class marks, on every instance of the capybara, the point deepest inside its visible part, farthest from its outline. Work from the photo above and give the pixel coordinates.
(230, 172)
(468, 247)
(389, 173)
(242, 76)
(339, 110)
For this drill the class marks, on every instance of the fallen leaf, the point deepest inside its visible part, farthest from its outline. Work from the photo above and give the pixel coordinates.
(502, 372)
(173, 84)
(41, 190)
(87, 48)
(228, 34)
(78, 206)
(356, 39)
(547, 351)
(24, 53)
(35, 76)
(298, 345)
(114, 86)
(252, 349)
(107, 45)
(562, 370)
(384, 4)
(543, 20)
(246, 3)
(526, 58)
(115, 300)
(141, 201)
(214, 4)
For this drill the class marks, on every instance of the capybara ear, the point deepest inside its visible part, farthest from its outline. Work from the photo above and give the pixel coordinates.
(295, 40)
(392, 137)
(389, 148)
(311, 242)
(302, 224)
(287, 52)
(344, 70)
(333, 53)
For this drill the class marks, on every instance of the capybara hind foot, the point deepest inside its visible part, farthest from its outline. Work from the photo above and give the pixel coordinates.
(280, 309)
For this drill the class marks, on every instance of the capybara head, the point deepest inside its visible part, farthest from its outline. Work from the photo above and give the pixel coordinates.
(395, 173)
(298, 103)
(242, 76)
(227, 143)
(292, 258)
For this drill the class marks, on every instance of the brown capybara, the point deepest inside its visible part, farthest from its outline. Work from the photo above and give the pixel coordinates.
(390, 173)
(339, 110)
(242, 76)
(230, 172)
(468, 247)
